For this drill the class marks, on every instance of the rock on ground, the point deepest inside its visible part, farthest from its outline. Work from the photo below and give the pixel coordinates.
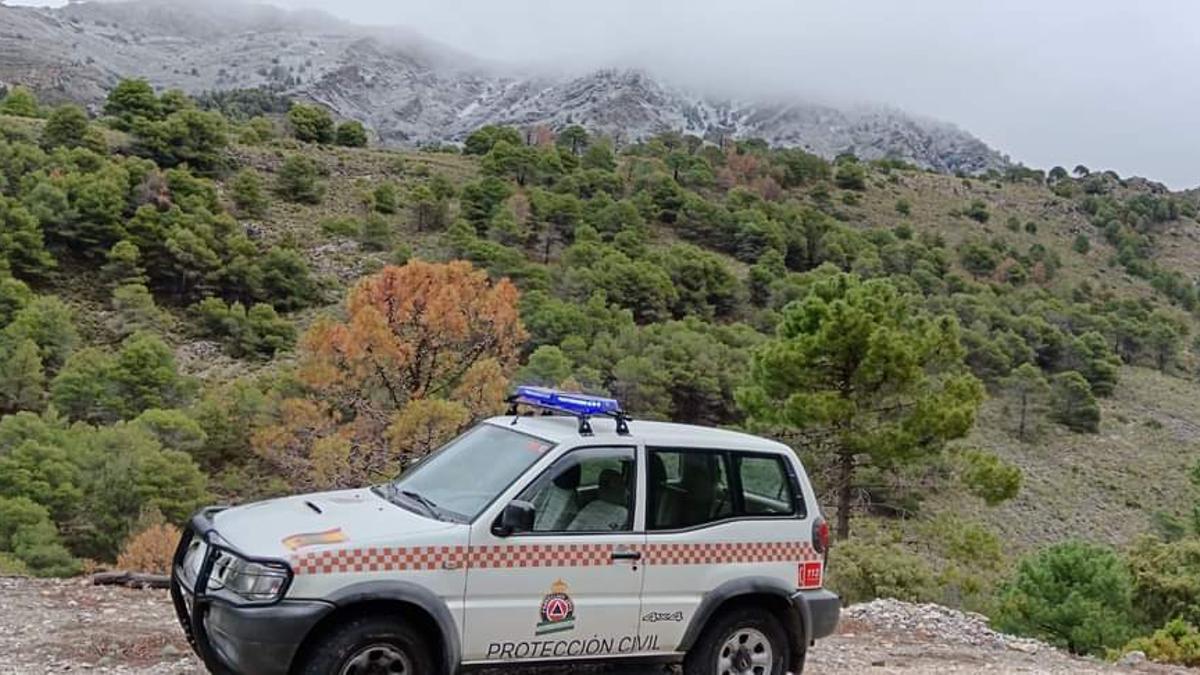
(72, 626)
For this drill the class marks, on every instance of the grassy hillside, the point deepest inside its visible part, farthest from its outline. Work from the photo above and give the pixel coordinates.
(697, 249)
(1107, 486)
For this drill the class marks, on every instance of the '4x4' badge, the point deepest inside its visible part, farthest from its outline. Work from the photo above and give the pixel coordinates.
(558, 610)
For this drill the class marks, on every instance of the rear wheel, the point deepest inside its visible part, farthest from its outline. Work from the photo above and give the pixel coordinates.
(369, 645)
(744, 641)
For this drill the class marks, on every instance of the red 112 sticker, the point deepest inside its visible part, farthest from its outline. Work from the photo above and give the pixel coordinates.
(810, 575)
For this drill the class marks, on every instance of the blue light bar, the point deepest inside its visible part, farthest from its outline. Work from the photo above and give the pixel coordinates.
(573, 404)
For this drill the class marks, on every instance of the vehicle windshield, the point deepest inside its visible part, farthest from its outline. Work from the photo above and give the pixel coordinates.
(464, 476)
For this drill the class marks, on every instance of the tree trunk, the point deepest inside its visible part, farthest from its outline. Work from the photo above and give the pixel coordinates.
(845, 474)
(131, 580)
(1024, 407)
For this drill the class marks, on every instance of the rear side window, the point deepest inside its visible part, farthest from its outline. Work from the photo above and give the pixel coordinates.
(687, 488)
(765, 485)
(691, 487)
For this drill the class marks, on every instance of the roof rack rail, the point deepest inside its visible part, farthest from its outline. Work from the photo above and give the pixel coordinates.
(581, 406)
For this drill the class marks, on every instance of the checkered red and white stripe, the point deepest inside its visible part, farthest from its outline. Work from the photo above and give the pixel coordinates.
(379, 559)
(389, 559)
(541, 555)
(725, 553)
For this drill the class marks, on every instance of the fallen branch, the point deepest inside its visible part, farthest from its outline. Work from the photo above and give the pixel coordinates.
(131, 580)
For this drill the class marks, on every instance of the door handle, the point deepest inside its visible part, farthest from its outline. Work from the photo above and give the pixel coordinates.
(626, 555)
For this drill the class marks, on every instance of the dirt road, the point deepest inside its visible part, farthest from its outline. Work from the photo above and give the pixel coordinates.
(70, 626)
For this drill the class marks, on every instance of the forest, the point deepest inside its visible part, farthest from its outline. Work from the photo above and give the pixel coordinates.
(213, 300)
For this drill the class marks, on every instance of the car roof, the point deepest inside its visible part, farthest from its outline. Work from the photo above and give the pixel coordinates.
(564, 429)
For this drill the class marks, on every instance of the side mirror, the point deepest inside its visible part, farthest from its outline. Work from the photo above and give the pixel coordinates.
(516, 517)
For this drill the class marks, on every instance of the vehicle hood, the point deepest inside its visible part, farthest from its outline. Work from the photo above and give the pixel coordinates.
(289, 526)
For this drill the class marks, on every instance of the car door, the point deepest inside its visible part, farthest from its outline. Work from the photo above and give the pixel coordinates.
(570, 587)
(712, 517)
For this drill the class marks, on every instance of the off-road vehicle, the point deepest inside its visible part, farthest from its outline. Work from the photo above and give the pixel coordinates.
(563, 537)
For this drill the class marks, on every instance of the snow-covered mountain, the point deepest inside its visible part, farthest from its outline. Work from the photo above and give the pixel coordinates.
(411, 90)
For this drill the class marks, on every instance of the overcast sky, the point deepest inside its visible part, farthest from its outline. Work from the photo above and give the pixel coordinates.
(1106, 83)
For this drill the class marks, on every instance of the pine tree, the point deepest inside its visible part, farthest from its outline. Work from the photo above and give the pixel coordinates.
(19, 102)
(22, 380)
(248, 193)
(1028, 392)
(351, 134)
(1073, 404)
(66, 127)
(864, 375)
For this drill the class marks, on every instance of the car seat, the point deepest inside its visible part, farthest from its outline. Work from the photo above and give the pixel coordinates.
(556, 505)
(609, 511)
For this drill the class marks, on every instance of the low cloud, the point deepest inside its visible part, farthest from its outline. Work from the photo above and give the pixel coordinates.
(1106, 83)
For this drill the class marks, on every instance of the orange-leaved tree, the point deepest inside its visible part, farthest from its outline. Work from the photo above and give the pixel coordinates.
(424, 352)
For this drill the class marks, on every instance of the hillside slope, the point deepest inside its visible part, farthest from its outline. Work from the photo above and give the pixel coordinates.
(412, 91)
(1107, 487)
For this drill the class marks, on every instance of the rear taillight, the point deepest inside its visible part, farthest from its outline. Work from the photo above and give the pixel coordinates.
(820, 536)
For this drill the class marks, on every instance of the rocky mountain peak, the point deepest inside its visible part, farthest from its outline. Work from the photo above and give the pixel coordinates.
(411, 90)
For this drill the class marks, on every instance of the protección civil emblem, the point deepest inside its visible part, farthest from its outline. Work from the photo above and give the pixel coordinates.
(558, 610)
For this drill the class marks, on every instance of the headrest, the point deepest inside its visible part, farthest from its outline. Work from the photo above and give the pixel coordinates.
(658, 469)
(568, 479)
(612, 487)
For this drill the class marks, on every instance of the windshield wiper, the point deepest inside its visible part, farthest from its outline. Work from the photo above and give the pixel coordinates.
(428, 503)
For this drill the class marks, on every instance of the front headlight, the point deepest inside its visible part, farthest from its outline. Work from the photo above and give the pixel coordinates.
(252, 581)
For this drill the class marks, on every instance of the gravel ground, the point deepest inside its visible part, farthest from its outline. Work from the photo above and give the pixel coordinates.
(51, 626)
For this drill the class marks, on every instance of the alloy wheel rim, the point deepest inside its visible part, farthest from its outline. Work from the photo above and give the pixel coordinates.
(747, 651)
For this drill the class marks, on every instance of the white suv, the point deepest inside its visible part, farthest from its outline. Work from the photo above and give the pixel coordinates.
(551, 538)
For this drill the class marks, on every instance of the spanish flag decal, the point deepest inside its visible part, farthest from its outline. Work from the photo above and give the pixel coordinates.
(299, 541)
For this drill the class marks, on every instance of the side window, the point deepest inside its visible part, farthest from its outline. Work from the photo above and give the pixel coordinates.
(766, 489)
(587, 490)
(687, 488)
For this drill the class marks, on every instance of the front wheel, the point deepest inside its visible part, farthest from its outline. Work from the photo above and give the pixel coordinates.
(369, 645)
(742, 642)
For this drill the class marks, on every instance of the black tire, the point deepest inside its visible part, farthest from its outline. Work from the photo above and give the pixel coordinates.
(704, 656)
(369, 639)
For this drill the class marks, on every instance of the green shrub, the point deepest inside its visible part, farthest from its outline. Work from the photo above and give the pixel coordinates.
(1082, 244)
(862, 570)
(248, 193)
(1177, 642)
(386, 198)
(311, 124)
(30, 542)
(352, 134)
(978, 211)
(1072, 403)
(99, 385)
(194, 137)
(67, 127)
(19, 102)
(1073, 595)
(131, 100)
(341, 227)
(49, 323)
(260, 331)
(904, 207)
(299, 180)
(990, 478)
(850, 176)
(376, 233)
(134, 310)
(1166, 580)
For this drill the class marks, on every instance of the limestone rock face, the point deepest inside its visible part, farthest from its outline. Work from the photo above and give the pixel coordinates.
(411, 90)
